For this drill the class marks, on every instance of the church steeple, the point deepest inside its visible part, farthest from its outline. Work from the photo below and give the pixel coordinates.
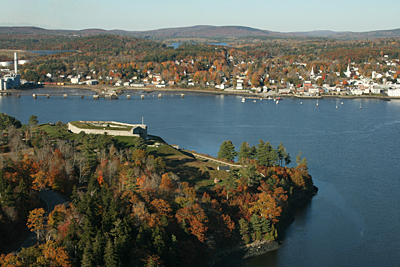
(312, 72)
(348, 72)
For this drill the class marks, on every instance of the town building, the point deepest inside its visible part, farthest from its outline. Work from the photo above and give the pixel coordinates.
(12, 79)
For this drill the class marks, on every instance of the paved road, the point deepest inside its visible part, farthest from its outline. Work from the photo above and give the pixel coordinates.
(52, 199)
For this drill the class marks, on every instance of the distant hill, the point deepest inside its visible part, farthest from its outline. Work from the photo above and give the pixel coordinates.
(316, 33)
(207, 31)
(202, 31)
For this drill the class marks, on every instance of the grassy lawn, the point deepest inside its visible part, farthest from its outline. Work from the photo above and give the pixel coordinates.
(117, 127)
(189, 169)
(55, 131)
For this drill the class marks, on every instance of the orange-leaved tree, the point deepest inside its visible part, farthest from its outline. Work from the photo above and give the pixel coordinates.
(36, 221)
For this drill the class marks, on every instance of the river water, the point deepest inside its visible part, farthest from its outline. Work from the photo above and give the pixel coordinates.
(353, 156)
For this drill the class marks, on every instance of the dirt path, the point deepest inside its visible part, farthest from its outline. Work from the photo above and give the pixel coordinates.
(216, 160)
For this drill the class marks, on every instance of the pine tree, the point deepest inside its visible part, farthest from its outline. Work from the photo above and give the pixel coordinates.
(244, 153)
(227, 151)
(110, 258)
(88, 257)
(98, 248)
(250, 172)
(301, 161)
(244, 230)
(266, 225)
(256, 225)
(282, 154)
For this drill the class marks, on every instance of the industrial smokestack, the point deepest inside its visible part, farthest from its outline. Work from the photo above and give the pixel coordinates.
(15, 63)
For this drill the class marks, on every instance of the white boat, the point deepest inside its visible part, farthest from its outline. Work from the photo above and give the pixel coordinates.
(277, 102)
(243, 99)
(301, 103)
(317, 103)
(254, 101)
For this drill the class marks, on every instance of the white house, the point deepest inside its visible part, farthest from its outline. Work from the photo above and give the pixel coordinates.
(375, 90)
(75, 80)
(92, 82)
(239, 84)
(394, 92)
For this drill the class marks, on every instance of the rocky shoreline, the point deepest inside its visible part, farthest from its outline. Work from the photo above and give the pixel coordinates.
(234, 256)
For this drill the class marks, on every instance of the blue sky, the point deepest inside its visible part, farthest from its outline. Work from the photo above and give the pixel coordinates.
(133, 15)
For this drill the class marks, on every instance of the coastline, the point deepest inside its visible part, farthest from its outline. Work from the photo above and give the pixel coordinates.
(233, 257)
(101, 88)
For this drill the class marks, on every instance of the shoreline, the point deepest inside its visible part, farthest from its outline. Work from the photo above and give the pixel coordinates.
(235, 256)
(100, 88)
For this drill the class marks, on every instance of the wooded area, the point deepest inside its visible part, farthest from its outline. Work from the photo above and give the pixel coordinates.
(132, 205)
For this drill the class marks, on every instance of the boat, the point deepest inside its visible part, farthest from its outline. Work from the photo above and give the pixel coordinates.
(279, 98)
(317, 103)
(243, 99)
(301, 103)
(277, 102)
(269, 98)
(254, 101)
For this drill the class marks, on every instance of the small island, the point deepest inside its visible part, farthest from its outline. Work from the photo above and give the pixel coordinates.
(136, 201)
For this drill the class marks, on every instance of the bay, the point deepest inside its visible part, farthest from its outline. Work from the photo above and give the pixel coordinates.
(353, 156)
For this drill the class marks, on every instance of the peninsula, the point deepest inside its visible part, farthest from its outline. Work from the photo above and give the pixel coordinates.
(137, 201)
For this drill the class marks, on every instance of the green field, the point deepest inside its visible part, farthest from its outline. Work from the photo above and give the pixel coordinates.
(117, 127)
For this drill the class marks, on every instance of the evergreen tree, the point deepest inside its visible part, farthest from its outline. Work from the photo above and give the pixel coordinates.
(301, 161)
(266, 154)
(266, 225)
(110, 258)
(250, 172)
(33, 121)
(244, 152)
(227, 151)
(138, 143)
(256, 225)
(88, 257)
(23, 199)
(244, 230)
(98, 248)
(230, 182)
(282, 154)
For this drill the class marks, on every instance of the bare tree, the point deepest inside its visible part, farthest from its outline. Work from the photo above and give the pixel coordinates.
(81, 160)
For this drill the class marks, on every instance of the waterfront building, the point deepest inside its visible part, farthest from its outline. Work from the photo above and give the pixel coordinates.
(394, 92)
(12, 79)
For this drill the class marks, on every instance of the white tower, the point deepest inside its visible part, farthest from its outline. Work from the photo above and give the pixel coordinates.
(15, 63)
(312, 72)
(348, 72)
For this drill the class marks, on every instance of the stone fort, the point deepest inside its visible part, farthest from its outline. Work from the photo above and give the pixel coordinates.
(111, 128)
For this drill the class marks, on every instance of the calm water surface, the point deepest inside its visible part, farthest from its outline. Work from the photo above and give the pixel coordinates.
(353, 156)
